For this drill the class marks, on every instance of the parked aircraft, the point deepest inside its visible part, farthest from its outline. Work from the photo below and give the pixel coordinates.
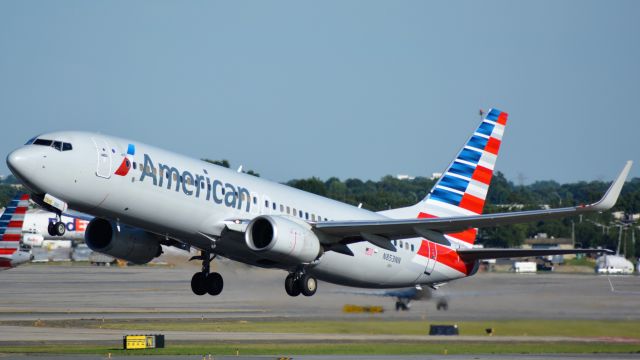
(38, 226)
(143, 196)
(12, 253)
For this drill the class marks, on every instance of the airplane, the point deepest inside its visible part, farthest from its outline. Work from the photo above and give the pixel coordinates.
(12, 253)
(143, 197)
(38, 226)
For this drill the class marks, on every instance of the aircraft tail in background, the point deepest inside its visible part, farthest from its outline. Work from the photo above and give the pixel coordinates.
(11, 223)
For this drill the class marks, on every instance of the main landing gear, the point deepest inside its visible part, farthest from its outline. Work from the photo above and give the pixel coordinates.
(300, 283)
(205, 282)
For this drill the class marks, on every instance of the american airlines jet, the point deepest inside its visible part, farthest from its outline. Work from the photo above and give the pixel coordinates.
(143, 197)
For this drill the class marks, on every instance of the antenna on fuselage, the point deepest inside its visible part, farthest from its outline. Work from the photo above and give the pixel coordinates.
(240, 168)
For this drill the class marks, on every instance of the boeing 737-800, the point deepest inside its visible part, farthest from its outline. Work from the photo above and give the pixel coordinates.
(143, 196)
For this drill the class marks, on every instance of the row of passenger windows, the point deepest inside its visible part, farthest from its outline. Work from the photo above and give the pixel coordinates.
(283, 208)
(58, 145)
(403, 245)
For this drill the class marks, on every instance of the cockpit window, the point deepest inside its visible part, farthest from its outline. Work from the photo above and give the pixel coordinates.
(31, 140)
(43, 142)
(58, 145)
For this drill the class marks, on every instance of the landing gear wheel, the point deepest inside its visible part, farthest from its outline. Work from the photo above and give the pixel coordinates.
(199, 283)
(50, 229)
(214, 284)
(59, 228)
(291, 285)
(308, 285)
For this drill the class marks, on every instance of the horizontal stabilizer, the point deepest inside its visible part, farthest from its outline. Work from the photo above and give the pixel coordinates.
(479, 254)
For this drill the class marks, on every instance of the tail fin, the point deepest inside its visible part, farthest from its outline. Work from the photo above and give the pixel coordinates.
(11, 224)
(462, 189)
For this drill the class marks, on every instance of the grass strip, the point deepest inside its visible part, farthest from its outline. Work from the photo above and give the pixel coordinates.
(359, 348)
(573, 328)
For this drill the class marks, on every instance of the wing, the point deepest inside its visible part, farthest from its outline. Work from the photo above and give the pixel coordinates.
(479, 254)
(379, 232)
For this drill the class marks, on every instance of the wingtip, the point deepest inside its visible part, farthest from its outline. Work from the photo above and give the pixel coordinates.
(611, 196)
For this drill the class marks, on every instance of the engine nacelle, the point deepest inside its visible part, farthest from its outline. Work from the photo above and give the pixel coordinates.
(128, 243)
(283, 240)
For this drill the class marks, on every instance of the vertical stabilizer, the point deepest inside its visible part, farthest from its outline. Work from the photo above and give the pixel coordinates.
(11, 229)
(462, 188)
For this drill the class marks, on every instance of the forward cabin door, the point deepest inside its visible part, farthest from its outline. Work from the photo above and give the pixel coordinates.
(104, 167)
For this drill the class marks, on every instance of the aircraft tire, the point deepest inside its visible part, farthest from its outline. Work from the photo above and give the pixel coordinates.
(291, 286)
(198, 284)
(59, 228)
(214, 283)
(308, 285)
(50, 229)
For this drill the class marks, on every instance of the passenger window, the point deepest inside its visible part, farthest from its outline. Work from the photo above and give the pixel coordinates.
(266, 203)
(66, 147)
(313, 217)
(255, 200)
(281, 208)
(400, 244)
(288, 212)
(274, 206)
(306, 215)
(300, 213)
(412, 248)
(134, 165)
(294, 212)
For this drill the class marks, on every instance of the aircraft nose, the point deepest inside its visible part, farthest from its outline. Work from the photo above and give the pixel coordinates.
(20, 161)
(16, 160)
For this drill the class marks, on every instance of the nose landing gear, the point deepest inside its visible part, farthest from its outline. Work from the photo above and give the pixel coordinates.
(57, 228)
(205, 282)
(300, 283)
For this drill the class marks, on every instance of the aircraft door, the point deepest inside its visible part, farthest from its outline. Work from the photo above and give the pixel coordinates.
(432, 257)
(103, 169)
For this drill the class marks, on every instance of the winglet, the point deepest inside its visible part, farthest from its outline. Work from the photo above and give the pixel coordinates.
(611, 196)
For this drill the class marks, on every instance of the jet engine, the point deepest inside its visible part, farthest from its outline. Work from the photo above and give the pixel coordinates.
(122, 242)
(282, 240)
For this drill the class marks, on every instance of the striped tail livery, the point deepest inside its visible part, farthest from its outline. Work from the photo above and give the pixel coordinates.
(11, 254)
(462, 188)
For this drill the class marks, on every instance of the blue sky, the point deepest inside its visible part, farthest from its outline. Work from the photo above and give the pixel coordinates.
(334, 88)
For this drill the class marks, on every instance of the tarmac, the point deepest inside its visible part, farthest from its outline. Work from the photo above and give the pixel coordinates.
(71, 291)
(43, 292)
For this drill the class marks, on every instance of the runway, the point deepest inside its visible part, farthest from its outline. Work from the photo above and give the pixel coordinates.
(44, 293)
(69, 292)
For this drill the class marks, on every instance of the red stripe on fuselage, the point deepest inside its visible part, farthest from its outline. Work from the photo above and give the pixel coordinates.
(449, 257)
